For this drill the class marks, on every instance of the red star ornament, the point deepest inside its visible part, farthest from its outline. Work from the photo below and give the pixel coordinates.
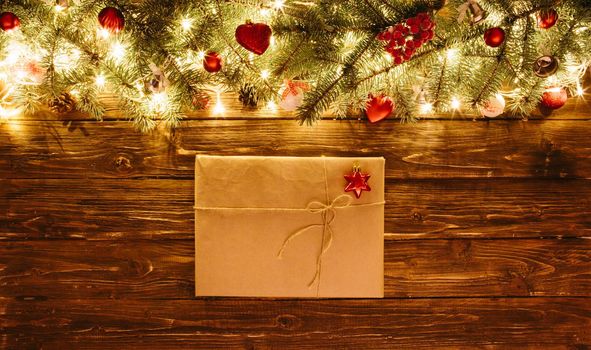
(357, 182)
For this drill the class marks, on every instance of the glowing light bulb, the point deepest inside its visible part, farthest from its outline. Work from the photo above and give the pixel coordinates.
(21, 75)
(455, 103)
(452, 53)
(117, 51)
(8, 113)
(158, 102)
(278, 4)
(388, 56)
(265, 12)
(219, 107)
(201, 55)
(14, 51)
(272, 106)
(426, 108)
(100, 81)
(186, 24)
(265, 74)
(104, 33)
(58, 8)
(580, 90)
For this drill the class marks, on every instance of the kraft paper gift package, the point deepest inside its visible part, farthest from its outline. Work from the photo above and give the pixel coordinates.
(285, 227)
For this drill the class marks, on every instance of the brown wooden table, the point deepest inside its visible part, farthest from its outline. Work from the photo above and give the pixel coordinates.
(488, 227)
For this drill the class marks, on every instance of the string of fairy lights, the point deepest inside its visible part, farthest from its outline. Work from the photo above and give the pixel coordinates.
(20, 66)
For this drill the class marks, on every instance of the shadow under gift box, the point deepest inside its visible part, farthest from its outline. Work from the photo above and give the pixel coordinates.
(248, 208)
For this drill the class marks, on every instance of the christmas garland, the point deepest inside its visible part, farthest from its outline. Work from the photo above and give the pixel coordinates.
(387, 58)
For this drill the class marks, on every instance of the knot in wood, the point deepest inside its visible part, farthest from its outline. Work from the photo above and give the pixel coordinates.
(123, 163)
(416, 216)
(290, 322)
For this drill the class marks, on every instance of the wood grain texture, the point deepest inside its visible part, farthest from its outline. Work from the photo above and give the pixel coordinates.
(162, 209)
(429, 149)
(530, 323)
(165, 269)
(97, 250)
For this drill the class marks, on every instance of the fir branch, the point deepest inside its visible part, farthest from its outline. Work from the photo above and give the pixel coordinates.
(310, 112)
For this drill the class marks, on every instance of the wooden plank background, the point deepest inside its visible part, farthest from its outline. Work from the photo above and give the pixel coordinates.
(488, 227)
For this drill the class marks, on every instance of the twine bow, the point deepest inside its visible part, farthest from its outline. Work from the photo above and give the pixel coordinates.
(328, 214)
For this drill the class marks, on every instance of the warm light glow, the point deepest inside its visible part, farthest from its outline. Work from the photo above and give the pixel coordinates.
(186, 24)
(58, 8)
(278, 4)
(452, 54)
(426, 108)
(455, 103)
(389, 57)
(20, 75)
(219, 107)
(272, 106)
(580, 90)
(117, 51)
(8, 112)
(265, 12)
(104, 33)
(265, 74)
(14, 52)
(200, 55)
(158, 102)
(63, 60)
(100, 81)
(552, 81)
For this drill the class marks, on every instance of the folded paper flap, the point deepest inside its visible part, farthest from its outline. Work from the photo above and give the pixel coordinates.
(280, 182)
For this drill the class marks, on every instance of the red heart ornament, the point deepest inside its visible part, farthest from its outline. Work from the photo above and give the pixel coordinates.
(378, 108)
(255, 37)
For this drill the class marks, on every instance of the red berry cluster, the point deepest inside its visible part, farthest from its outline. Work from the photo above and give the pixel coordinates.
(404, 39)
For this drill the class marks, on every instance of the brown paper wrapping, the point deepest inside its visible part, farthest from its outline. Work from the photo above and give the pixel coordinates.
(247, 207)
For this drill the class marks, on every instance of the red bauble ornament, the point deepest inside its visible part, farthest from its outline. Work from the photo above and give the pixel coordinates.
(494, 37)
(111, 19)
(404, 39)
(357, 182)
(9, 21)
(554, 98)
(547, 18)
(212, 62)
(378, 108)
(255, 37)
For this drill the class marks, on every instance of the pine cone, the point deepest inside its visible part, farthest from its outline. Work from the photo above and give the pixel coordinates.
(64, 103)
(248, 95)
